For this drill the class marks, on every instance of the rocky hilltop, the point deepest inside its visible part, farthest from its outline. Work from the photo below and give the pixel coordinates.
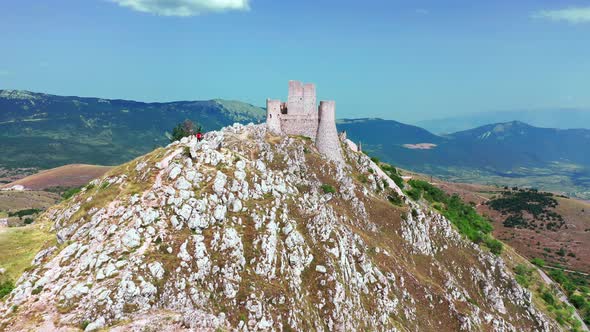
(249, 231)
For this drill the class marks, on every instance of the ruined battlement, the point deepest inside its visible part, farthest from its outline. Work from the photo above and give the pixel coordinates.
(300, 115)
(302, 98)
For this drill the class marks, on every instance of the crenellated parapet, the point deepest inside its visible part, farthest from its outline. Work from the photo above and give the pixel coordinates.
(300, 116)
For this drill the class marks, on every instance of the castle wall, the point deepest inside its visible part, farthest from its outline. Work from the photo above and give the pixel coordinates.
(299, 125)
(273, 116)
(327, 140)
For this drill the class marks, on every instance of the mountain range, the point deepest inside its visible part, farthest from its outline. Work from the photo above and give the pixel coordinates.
(43, 131)
(545, 118)
(512, 153)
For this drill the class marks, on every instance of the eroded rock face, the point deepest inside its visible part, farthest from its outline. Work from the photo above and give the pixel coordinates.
(235, 232)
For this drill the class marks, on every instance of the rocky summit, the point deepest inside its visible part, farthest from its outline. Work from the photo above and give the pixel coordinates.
(248, 231)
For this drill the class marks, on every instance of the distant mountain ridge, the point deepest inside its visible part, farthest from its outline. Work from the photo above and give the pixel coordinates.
(502, 153)
(559, 118)
(525, 145)
(379, 131)
(44, 131)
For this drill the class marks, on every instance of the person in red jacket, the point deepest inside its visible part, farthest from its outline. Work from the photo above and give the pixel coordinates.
(199, 136)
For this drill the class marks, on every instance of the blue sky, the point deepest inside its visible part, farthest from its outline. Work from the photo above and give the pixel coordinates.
(402, 60)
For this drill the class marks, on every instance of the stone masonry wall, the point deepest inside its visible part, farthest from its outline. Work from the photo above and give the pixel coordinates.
(273, 116)
(299, 125)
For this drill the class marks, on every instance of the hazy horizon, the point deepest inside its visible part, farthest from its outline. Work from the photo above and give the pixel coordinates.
(408, 61)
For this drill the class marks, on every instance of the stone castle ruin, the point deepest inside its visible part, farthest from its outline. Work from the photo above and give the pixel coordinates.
(300, 115)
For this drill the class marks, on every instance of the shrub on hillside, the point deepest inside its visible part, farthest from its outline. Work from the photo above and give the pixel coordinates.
(431, 193)
(467, 220)
(70, 192)
(5, 288)
(523, 274)
(328, 189)
(414, 193)
(538, 262)
(548, 297)
(464, 216)
(393, 173)
(578, 301)
(494, 245)
(22, 213)
(394, 198)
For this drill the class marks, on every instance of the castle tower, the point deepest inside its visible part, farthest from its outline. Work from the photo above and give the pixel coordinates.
(273, 116)
(295, 99)
(327, 140)
(301, 114)
(309, 99)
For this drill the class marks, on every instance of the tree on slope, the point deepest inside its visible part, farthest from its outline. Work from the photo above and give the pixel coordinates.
(184, 129)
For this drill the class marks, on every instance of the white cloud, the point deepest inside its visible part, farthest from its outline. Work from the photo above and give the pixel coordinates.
(572, 15)
(183, 7)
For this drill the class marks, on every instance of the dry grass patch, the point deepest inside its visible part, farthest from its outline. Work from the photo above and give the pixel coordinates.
(20, 200)
(18, 247)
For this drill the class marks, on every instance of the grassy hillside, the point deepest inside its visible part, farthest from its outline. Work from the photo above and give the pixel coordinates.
(67, 176)
(549, 230)
(18, 247)
(45, 131)
(536, 224)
